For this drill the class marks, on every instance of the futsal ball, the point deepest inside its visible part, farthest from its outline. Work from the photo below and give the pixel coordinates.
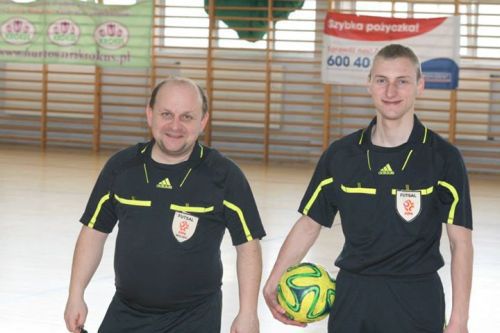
(306, 292)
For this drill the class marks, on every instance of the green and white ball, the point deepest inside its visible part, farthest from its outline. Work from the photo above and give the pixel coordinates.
(306, 292)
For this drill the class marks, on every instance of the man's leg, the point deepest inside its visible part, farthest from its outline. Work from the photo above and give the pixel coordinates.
(349, 308)
(203, 317)
(413, 305)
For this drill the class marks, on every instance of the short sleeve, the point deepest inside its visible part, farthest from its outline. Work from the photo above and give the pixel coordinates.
(240, 210)
(100, 212)
(318, 200)
(453, 192)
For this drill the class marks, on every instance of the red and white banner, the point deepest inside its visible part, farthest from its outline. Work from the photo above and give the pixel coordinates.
(351, 41)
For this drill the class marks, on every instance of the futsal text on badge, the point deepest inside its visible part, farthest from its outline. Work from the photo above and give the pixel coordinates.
(184, 226)
(408, 204)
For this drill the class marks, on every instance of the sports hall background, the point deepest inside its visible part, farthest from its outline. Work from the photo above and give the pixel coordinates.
(269, 111)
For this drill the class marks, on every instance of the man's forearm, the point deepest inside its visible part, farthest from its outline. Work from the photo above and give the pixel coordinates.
(461, 276)
(86, 258)
(249, 270)
(298, 242)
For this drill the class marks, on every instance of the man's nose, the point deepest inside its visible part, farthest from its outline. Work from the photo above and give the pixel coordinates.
(391, 90)
(175, 123)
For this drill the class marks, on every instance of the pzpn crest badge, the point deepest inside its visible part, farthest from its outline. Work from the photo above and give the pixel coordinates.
(408, 204)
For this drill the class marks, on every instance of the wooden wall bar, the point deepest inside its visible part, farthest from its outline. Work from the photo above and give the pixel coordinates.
(266, 98)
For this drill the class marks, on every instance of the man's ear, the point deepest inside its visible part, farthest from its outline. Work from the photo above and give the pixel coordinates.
(149, 115)
(420, 86)
(204, 121)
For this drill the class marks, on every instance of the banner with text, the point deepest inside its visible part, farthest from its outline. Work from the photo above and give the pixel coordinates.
(351, 41)
(76, 32)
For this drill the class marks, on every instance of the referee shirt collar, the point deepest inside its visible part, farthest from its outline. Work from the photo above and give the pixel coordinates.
(419, 133)
(197, 155)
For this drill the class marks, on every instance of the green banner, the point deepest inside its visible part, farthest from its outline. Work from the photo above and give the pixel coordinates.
(76, 32)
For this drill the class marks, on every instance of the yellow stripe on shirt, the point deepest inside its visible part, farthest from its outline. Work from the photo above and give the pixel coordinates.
(316, 193)
(242, 218)
(98, 210)
(454, 193)
(133, 202)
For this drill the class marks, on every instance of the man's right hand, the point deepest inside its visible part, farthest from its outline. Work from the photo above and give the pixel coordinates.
(75, 314)
(270, 295)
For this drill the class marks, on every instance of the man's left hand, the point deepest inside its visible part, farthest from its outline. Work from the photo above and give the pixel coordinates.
(456, 328)
(245, 324)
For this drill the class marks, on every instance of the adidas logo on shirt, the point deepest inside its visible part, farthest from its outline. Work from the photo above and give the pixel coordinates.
(386, 170)
(165, 183)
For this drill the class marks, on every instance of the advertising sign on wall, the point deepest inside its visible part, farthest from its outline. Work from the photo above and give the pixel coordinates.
(351, 41)
(76, 32)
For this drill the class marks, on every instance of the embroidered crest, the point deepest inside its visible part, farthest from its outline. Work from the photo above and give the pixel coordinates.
(184, 226)
(408, 204)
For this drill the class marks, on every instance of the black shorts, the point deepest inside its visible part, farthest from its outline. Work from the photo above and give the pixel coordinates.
(203, 317)
(374, 304)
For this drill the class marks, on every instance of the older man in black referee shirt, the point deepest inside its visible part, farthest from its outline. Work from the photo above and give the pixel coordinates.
(173, 199)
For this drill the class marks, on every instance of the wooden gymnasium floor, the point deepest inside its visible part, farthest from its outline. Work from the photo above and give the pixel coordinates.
(42, 195)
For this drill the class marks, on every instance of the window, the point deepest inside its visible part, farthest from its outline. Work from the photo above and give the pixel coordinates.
(298, 32)
(186, 24)
(433, 10)
(379, 8)
(488, 31)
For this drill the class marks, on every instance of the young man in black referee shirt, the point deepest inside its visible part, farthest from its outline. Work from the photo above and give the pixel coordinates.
(173, 199)
(394, 183)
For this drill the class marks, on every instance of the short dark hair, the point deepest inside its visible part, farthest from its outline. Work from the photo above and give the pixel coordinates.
(394, 51)
(180, 81)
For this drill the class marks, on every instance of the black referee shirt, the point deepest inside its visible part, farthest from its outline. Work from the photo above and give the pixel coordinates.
(392, 201)
(172, 219)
